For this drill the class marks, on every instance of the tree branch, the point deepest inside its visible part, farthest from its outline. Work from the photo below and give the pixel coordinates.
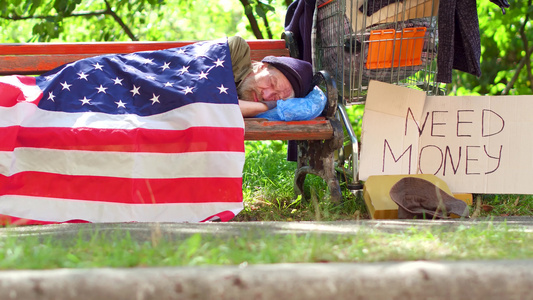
(525, 61)
(251, 19)
(265, 23)
(518, 69)
(120, 22)
(107, 11)
(80, 14)
(528, 51)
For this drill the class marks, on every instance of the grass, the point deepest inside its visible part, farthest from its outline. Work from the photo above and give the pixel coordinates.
(478, 242)
(269, 195)
(505, 205)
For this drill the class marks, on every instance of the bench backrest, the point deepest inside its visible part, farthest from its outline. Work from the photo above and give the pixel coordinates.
(37, 58)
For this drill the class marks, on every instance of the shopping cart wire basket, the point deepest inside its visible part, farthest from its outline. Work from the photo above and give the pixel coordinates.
(356, 41)
(387, 40)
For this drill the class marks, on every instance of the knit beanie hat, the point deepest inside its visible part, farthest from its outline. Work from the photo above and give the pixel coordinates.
(298, 72)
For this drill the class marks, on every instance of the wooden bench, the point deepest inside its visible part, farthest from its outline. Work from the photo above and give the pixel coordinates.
(317, 139)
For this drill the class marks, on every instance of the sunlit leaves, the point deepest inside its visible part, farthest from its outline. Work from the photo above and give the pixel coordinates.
(261, 9)
(503, 48)
(93, 20)
(54, 15)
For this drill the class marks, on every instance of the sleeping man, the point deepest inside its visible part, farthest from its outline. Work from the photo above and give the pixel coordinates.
(261, 84)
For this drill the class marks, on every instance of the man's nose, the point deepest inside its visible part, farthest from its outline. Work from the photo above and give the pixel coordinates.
(268, 95)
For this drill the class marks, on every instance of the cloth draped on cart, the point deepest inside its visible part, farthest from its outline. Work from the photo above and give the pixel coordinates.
(144, 137)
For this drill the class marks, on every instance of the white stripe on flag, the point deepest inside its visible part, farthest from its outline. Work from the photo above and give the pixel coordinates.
(60, 210)
(123, 164)
(191, 115)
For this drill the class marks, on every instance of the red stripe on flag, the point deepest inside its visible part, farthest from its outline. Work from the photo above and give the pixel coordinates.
(12, 89)
(9, 220)
(193, 139)
(123, 190)
(224, 216)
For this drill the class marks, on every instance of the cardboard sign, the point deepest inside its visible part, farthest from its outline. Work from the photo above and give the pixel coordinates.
(476, 144)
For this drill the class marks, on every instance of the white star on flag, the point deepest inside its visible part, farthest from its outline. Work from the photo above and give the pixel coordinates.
(184, 69)
(155, 99)
(98, 66)
(66, 86)
(51, 96)
(188, 90)
(222, 89)
(85, 101)
(203, 75)
(120, 104)
(219, 63)
(135, 90)
(82, 76)
(118, 81)
(165, 66)
(101, 89)
(148, 61)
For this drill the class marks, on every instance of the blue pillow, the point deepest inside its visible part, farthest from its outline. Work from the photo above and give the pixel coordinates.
(297, 109)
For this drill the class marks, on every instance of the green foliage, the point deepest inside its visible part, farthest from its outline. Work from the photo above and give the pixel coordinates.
(506, 40)
(118, 20)
(355, 114)
(50, 19)
(261, 9)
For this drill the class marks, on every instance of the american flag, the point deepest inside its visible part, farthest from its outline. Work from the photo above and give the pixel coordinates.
(152, 136)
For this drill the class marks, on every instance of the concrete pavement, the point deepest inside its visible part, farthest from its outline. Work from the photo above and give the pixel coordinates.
(406, 280)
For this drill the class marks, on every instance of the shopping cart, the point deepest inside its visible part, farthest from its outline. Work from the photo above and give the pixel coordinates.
(392, 41)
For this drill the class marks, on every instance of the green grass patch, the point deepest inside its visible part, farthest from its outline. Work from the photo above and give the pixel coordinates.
(504, 205)
(119, 249)
(268, 190)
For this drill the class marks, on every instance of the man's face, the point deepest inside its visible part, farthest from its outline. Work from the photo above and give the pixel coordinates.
(265, 84)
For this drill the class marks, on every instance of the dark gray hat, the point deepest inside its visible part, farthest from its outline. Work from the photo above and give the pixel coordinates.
(419, 198)
(298, 72)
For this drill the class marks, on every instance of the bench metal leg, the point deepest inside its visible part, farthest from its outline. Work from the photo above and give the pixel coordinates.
(317, 158)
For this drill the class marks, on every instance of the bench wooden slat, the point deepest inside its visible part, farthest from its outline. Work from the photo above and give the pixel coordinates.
(36, 64)
(116, 47)
(37, 58)
(261, 129)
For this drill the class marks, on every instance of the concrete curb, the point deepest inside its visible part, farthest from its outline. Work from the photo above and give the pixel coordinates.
(404, 280)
